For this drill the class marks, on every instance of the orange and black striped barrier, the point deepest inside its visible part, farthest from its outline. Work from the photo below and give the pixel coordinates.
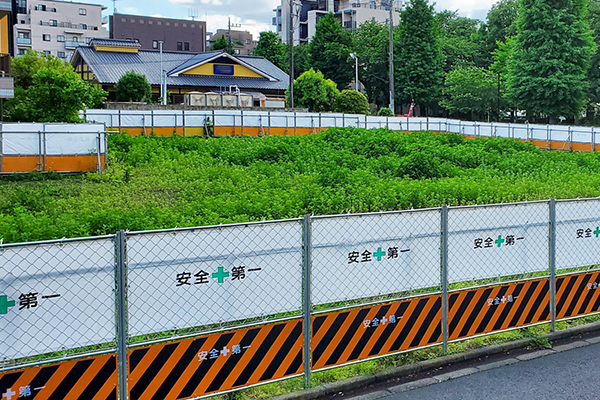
(347, 336)
(577, 295)
(215, 363)
(86, 379)
(497, 308)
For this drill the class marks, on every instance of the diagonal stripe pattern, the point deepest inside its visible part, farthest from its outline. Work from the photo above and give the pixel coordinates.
(218, 362)
(577, 295)
(362, 333)
(86, 379)
(478, 311)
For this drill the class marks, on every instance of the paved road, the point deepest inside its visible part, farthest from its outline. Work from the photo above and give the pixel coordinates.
(572, 374)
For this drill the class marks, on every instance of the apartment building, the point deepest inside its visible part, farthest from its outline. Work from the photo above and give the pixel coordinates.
(350, 14)
(5, 17)
(176, 34)
(242, 42)
(56, 27)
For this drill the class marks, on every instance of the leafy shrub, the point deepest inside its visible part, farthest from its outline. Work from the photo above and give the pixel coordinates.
(133, 87)
(353, 102)
(385, 112)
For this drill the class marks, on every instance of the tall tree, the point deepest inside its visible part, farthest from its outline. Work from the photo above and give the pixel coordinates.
(313, 91)
(456, 39)
(551, 57)
(501, 23)
(330, 50)
(222, 44)
(418, 59)
(270, 47)
(594, 71)
(301, 59)
(371, 47)
(470, 91)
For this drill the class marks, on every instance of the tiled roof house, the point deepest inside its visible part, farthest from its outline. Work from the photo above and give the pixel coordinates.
(104, 61)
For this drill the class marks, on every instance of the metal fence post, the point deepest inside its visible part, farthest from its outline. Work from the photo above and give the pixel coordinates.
(121, 316)
(306, 301)
(552, 262)
(444, 276)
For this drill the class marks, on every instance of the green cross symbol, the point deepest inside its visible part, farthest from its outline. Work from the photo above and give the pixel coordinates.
(500, 241)
(379, 254)
(597, 231)
(221, 275)
(4, 304)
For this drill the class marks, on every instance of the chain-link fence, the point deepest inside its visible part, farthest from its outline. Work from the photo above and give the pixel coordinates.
(385, 282)
(57, 296)
(191, 280)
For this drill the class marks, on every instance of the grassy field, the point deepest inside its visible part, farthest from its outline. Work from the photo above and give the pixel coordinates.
(153, 183)
(171, 182)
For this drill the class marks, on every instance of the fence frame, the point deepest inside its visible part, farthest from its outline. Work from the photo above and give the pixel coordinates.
(124, 344)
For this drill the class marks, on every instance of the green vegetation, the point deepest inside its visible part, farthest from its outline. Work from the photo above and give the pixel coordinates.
(133, 87)
(313, 91)
(352, 102)
(48, 90)
(171, 182)
(270, 47)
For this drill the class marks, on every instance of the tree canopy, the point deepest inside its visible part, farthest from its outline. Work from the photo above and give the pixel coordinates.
(551, 58)
(133, 87)
(270, 47)
(418, 59)
(222, 44)
(330, 50)
(312, 90)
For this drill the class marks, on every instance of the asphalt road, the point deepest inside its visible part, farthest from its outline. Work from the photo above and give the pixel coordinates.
(572, 374)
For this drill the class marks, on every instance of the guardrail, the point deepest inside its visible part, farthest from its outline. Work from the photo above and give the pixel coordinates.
(188, 313)
(262, 123)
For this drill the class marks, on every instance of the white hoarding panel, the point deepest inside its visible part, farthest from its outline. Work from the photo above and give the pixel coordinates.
(20, 144)
(58, 144)
(194, 278)
(357, 256)
(577, 233)
(56, 297)
(494, 241)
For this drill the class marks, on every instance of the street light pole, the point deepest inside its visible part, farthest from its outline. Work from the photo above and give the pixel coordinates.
(355, 57)
(163, 96)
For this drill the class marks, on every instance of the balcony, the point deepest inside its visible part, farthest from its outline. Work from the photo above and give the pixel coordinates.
(72, 45)
(24, 41)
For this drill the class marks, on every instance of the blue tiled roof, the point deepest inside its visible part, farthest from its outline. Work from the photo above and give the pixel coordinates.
(108, 67)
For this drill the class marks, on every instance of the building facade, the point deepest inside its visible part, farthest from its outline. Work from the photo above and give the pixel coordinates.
(350, 14)
(5, 23)
(242, 42)
(56, 27)
(105, 61)
(176, 34)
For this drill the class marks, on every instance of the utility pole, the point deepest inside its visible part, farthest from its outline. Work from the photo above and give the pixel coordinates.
(392, 105)
(229, 32)
(291, 44)
(163, 92)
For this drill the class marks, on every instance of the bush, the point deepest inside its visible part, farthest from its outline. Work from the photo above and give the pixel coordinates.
(312, 90)
(385, 112)
(353, 102)
(133, 87)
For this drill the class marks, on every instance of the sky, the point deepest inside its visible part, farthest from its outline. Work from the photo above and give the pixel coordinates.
(250, 15)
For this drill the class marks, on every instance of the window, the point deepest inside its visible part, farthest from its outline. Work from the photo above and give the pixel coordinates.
(23, 21)
(186, 46)
(42, 7)
(185, 25)
(46, 38)
(123, 20)
(88, 40)
(159, 23)
(150, 22)
(237, 51)
(53, 22)
(61, 54)
(23, 35)
(60, 38)
(132, 21)
(82, 11)
(47, 52)
(179, 46)
(84, 26)
(192, 26)
(247, 41)
(155, 44)
(142, 21)
(75, 39)
(22, 51)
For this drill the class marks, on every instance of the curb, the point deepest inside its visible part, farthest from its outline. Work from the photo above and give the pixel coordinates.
(329, 389)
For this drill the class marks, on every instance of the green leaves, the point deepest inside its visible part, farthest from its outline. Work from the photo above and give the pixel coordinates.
(270, 47)
(133, 87)
(312, 90)
(551, 57)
